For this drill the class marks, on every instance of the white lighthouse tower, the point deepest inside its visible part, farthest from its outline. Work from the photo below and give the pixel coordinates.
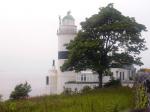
(66, 32)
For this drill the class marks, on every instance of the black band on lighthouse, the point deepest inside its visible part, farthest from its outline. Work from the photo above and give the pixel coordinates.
(62, 54)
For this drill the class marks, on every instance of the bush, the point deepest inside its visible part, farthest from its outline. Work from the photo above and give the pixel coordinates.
(113, 83)
(1, 97)
(147, 85)
(21, 91)
(85, 89)
(67, 91)
(141, 97)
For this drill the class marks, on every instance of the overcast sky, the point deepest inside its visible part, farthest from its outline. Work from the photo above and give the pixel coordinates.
(28, 40)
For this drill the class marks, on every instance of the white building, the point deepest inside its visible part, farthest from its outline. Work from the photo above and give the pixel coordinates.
(57, 80)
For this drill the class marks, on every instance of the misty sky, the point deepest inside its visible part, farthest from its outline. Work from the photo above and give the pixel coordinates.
(28, 40)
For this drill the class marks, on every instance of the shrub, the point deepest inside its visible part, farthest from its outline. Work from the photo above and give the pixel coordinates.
(21, 91)
(141, 97)
(147, 85)
(1, 97)
(113, 83)
(67, 91)
(85, 89)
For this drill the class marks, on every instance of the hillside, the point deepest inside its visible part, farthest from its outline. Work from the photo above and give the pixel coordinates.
(104, 100)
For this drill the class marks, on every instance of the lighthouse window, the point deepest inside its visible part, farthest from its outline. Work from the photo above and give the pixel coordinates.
(62, 54)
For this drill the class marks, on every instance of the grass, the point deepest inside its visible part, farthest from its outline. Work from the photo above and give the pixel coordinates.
(103, 100)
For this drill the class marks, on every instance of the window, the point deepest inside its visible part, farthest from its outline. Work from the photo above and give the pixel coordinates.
(123, 75)
(81, 77)
(117, 73)
(84, 77)
(47, 80)
(120, 76)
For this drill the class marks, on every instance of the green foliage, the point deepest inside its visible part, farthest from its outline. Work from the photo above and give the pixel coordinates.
(21, 91)
(115, 109)
(100, 100)
(86, 89)
(1, 97)
(113, 83)
(106, 37)
(67, 91)
(107, 72)
(130, 78)
(141, 97)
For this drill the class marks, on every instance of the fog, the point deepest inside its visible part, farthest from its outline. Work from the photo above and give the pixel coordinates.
(28, 40)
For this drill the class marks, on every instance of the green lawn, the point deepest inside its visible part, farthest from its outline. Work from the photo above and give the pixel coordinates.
(104, 100)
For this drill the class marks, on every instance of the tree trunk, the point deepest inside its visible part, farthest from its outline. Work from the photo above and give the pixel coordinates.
(100, 77)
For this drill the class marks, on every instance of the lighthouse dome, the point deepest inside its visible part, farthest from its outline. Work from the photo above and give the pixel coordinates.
(67, 25)
(68, 19)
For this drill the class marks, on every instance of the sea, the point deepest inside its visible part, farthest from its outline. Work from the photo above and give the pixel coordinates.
(8, 81)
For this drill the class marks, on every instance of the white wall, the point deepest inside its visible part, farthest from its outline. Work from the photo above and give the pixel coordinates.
(79, 83)
(80, 77)
(64, 39)
(51, 88)
(120, 70)
(79, 87)
(62, 78)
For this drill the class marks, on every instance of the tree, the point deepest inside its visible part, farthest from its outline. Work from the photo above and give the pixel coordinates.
(20, 91)
(107, 39)
(1, 97)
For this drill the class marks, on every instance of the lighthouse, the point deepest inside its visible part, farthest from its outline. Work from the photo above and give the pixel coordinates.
(67, 31)
(58, 81)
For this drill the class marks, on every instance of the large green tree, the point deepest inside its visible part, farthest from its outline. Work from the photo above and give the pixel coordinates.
(106, 39)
